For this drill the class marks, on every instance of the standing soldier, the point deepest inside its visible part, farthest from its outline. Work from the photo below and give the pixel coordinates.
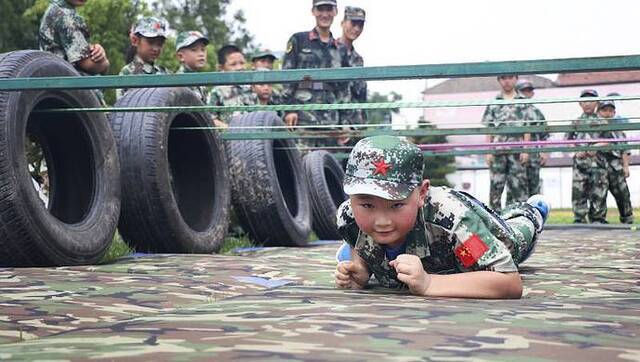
(507, 168)
(590, 183)
(311, 50)
(64, 33)
(536, 160)
(617, 166)
(352, 27)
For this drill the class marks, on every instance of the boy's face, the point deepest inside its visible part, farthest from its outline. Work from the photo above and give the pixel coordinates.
(351, 29)
(263, 91)
(265, 62)
(387, 221)
(507, 82)
(194, 56)
(234, 62)
(324, 15)
(606, 112)
(148, 49)
(76, 3)
(589, 107)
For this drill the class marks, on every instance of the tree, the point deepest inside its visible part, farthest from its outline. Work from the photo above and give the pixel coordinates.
(382, 116)
(435, 168)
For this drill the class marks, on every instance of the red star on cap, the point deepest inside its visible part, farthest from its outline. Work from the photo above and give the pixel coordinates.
(381, 167)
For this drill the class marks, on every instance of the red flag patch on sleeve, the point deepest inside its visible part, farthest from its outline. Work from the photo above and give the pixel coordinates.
(471, 250)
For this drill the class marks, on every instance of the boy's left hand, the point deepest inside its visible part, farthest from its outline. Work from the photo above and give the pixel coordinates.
(410, 272)
(97, 53)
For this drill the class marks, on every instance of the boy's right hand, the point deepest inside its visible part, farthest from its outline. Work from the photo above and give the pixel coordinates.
(97, 53)
(351, 275)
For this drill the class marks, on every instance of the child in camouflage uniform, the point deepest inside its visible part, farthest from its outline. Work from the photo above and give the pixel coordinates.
(434, 240)
(590, 183)
(64, 33)
(230, 59)
(191, 50)
(147, 37)
(617, 166)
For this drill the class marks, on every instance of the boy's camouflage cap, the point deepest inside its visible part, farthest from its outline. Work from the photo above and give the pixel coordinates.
(325, 2)
(525, 84)
(354, 13)
(263, 53)
(606, 103)
(589, 93)
(384, 166)
(188, 38)
(150, 27)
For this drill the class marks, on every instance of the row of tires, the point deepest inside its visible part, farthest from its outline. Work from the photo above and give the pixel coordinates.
(164, 180)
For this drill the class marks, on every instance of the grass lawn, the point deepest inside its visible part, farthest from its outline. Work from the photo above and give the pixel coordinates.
(119, 248)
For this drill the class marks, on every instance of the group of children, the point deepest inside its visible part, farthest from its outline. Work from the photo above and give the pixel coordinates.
(64, 33)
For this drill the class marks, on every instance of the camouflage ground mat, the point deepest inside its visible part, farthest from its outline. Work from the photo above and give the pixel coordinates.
(581, 302)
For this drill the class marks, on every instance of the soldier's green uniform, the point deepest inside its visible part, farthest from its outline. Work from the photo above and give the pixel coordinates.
(150, 28)
(532, 167)
(590, 182)
(231, 95)
(305, 50)
(358, 88)
(453, 232)
(507, 168)
(64, 33)
(186, 39)
(615, 173)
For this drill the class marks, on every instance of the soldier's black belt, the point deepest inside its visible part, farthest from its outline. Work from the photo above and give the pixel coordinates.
(315, 86)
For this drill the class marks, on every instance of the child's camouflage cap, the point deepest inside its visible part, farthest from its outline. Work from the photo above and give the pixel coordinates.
(354, 13)
(384, 166)
(606, 103)
(188, 38)
(150, 27)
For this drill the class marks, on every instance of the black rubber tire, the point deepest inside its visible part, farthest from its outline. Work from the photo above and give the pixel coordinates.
(78, 224)
(324, 176)
(175, 182)
(269, 192)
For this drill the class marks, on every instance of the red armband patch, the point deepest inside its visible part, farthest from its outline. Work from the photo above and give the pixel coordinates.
(471, 250)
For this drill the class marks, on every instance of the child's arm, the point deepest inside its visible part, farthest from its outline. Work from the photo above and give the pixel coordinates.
(625, 163)
(96, 62)
(479, 284)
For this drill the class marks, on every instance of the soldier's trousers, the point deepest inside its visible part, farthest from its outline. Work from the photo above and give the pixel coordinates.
(620, 190)
(532, 169)
(507, 169)
(589, 191)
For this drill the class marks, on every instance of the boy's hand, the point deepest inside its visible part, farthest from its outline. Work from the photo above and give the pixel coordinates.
(291, 119)
(97, 53)
(524, 158)
(489, 158)
(351, 275)
(410, 272)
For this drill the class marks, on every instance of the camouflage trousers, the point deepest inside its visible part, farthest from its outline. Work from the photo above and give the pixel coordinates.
(619, 189)
(507, 169)
(532, 169)
(589, 190)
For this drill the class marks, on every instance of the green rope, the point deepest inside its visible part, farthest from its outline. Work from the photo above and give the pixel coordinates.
(336, 106)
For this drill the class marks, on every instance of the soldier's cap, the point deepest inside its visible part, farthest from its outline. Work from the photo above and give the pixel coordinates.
(150, 27)
(589, 93)
(384, 166)
(525, 84)
(606, 103)
(188, 38)
(263, 53)
(354, 13)
(325, 2)
(614, 94)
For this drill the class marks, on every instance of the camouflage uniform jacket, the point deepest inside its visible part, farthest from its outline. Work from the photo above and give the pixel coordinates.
(357, 89)
(540, 121)
(139, 66)
(64, 33)
(508, 115)
(231, 95)
(453, 233)
(599, 160)
(200, 91)
(305, 50)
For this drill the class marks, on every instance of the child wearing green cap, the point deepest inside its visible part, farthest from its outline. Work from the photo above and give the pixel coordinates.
(435, 241)
(191, 51)
(147, 37)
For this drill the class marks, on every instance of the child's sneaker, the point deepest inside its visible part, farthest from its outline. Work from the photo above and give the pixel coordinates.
(538, 201)
(344, 253)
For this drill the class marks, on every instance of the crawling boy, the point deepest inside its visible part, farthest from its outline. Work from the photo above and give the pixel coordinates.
(434, 240)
